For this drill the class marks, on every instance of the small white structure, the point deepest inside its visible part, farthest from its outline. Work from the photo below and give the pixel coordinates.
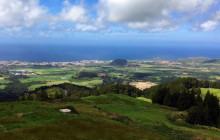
(65, 110)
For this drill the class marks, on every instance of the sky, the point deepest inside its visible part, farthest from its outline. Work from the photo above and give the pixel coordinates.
(111, 22)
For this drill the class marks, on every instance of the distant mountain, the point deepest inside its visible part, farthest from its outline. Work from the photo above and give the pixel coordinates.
(213, 61)
(119, 62)
(194, 60)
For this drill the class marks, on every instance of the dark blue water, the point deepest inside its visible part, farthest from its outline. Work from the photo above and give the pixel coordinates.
(35, 53)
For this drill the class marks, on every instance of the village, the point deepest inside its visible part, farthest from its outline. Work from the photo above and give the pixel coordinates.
(75, 63)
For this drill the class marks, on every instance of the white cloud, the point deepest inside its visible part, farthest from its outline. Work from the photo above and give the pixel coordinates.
(73, 13)
(21, 13)
(151, 14)
(86, 27)
(209, 25)
(144, 15)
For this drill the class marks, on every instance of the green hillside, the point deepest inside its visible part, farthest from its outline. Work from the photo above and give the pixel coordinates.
(100, 117)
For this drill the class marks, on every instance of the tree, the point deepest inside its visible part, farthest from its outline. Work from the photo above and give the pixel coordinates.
(195, 115)
(167, 100)
(159, 95)
(211, 105)
(197, 91)
(184, 102)
(199, 101)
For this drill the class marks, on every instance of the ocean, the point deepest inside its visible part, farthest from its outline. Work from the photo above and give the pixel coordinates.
(44, 53)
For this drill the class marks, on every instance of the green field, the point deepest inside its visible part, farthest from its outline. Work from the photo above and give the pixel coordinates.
(213, 91)
(100, 117)
(2, 81)
(2, 86)
(155, 73)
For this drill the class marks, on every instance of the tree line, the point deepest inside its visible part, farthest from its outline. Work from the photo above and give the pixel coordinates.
(68, 90)
(185, 94)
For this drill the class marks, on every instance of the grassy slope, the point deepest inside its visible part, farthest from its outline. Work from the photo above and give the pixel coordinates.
(150, 117)
(213, 91)
(145, 120)
(144, 99)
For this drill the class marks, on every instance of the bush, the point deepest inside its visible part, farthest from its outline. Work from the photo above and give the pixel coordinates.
(178, 116)
(196, 115)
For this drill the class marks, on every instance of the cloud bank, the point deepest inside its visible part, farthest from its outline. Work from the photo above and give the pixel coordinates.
(140, 15)
(21, 13)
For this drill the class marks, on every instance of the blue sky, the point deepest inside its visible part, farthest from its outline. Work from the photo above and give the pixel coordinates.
(110, 22)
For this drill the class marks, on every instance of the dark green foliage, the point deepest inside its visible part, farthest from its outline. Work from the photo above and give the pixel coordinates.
(184, 94)
(87, 74)
(185, 101)
(160, 94)
(119, 89)
(141, 75)
(205, 113)
(174, 96)
(211, 105)
(195, 115)
(149, 92)
(197, 91)
(119, 62)
(111, 80)
(75, 91)
(167, 100)
(57, 92)
(15, 88)
(198, 101)
(71, 91)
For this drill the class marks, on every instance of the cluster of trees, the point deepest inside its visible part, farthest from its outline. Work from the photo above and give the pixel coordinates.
(15, 88)
(119, 89)
(185, 94)
(44, 95)
(83, 74)
(187, 83)
(119, 62)
(61, 91)
(111, 81)
(67, 90)
(141, 75)
(205, 112)
(174, 96)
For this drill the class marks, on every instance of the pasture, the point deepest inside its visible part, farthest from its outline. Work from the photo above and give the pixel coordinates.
(103, 117)
(215, 92)
(140, 73)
